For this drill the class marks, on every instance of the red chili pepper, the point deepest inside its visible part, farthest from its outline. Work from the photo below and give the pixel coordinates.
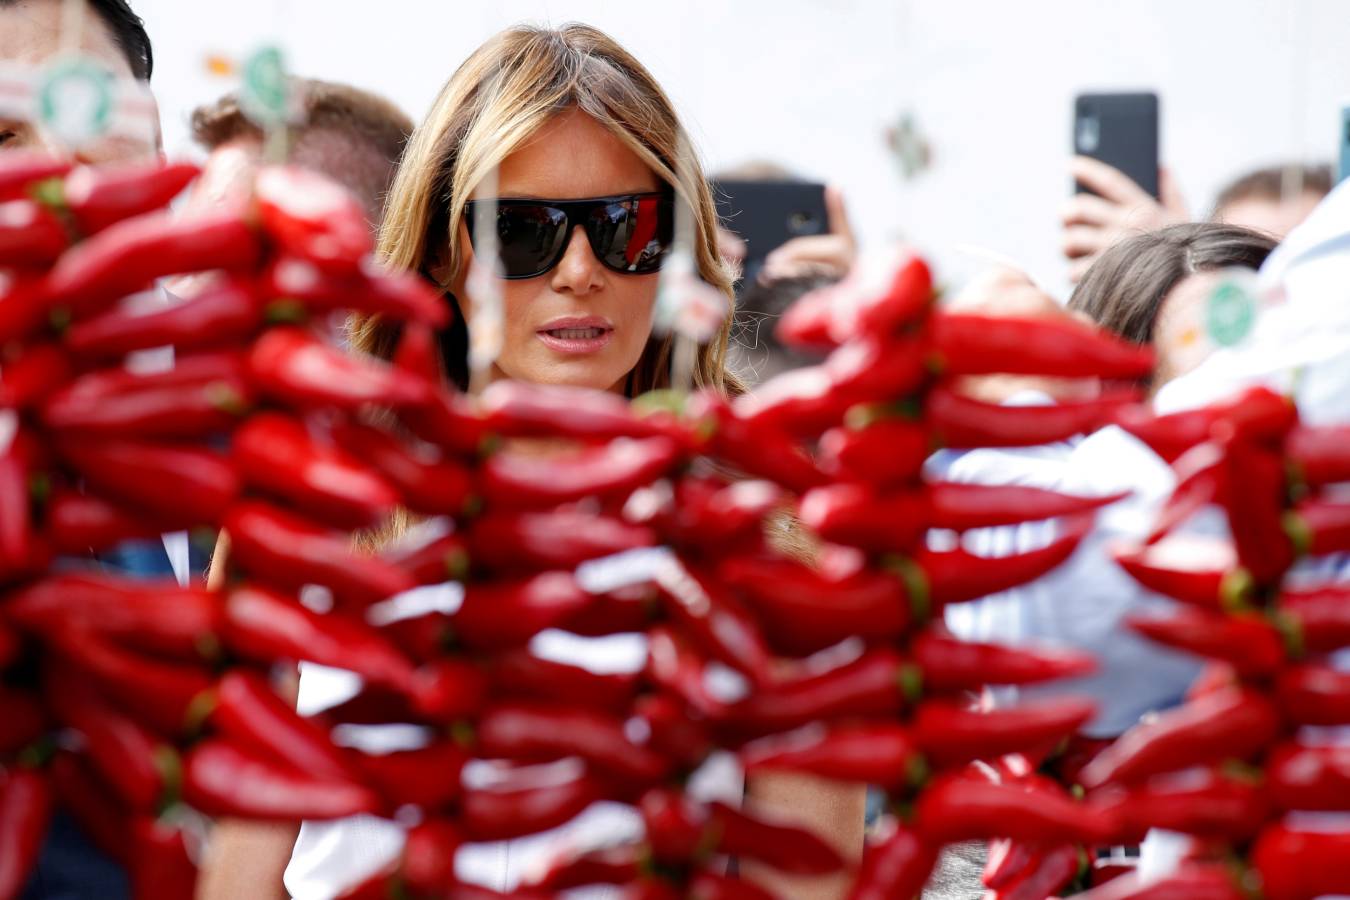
(298, 369)
(1200, 475)
(1299, 864)
(1313, 694)
(428, 861)
(1316, 619)
(855, 515)
(887, 452)
(31, 236)
(32, 373)
(23, 170)
(716, 519)
(538, 731)
(1226, 725)
(402, 296)
(26, 807)
(18, 541)
(426, 482)
(950, 732)
(22, 720)
(708, 885)
(716, 622)
(223, 779)
(936, 578)
(948, 664)
(1255, 509)
(167, 697)
(1192, 881)
(141, 770)
(313, 217)
(676, 667)
(1201, 802)
(520, 674)
(1309, 777)
(1319, 526)
(85, 797)
(961, 507)
(160, 866)
(443, 693)
(195, 370)
(180, 482)
(1226, 587)
(428, 777)
(611, 865)
(518, 480)
(1007, 862)
(806, 324)
(129, 257)
(899, 866)
(956, 807)
(554, 539)
(520, 409)
(871, 369)
(157, 617)
(444, 558)
(624, 610)
(419, 351)
(883, 753)
(870, 686)
(1052, 871)
(674, 733)
(79, 523)
(95, 197)
(972, 344)
(23, 306)
(11, 645)
(498, 615)
(189, 412)
(762, 452)
(276, 454)
(284, 549)
(523, 805)
(960, 422)
(800, 402)
(1317, 455)
(225, 314)
(263, 625)
(1249, 643)
(905, 300)
(249, 714)
(803, 609)
(450, 421)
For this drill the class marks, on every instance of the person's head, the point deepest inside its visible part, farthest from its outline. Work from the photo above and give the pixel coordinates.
(558, 114)
(1273, 200)
(111, 35)
(1151, 288)
(352, 136)
(758, 354)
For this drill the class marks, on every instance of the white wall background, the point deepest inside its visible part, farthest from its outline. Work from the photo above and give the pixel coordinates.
(813, 84)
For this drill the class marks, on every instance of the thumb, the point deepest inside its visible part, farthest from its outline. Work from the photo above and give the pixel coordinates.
(1170, 195)
(836, 214)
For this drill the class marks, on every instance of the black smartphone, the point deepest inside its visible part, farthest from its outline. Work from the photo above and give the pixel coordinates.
(768, 214)
(1122, 131)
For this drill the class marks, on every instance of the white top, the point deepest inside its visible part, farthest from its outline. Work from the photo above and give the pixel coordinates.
(331, 856)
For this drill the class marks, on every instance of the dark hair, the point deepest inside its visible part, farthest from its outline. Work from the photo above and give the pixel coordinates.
(1124, 289)
(1270, 184)
(128, 31)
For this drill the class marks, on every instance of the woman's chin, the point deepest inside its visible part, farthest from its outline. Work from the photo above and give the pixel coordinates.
(570, 373)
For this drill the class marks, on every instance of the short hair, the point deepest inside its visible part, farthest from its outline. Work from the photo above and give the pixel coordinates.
(128, 32)
(1125, 288)
(1270, 184)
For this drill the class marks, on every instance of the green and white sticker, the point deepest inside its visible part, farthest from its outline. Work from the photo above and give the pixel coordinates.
(265, 94)
(1231, 312)
(75, 100)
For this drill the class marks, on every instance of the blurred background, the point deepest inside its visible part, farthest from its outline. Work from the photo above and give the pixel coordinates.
(830, 89)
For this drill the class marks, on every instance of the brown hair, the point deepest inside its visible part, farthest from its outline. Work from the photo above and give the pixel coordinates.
(1274, 184)
(340, 109)
(1126, 286)
(493, 103)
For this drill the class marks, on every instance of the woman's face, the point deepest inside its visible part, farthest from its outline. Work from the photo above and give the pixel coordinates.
(579, 323)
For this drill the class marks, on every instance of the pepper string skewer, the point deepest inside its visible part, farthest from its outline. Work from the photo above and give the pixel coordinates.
(174, 705)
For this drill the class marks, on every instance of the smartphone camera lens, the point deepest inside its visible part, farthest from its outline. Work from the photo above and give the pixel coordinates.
(1089, 133)
(801, 222)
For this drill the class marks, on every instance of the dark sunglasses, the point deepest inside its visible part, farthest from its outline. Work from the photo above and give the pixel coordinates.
(631, 234)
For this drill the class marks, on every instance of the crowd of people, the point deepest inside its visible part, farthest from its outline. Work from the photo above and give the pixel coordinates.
(553, 115)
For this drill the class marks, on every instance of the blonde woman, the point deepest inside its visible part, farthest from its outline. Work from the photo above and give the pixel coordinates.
(590, 165)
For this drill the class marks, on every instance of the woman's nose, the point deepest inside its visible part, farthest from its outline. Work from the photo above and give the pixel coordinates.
(579, 271)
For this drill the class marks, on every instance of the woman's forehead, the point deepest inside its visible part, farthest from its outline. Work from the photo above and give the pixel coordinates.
(573, 156)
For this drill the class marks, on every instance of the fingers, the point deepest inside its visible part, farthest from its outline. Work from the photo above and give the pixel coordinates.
(1084, 240)
(1088, 209)
(829, 254)
(1172, 199)
(836, 214)
(1107, 181)
(1079, 267)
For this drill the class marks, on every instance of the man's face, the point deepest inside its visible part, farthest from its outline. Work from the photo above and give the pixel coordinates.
(30, 34)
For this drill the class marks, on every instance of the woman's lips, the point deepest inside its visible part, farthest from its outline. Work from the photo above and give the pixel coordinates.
(576, 337)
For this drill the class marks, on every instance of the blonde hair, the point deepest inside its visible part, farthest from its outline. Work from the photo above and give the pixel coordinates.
(495, 101)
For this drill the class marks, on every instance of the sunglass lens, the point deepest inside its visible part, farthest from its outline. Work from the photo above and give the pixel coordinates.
(633, 235)
(529, 239)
